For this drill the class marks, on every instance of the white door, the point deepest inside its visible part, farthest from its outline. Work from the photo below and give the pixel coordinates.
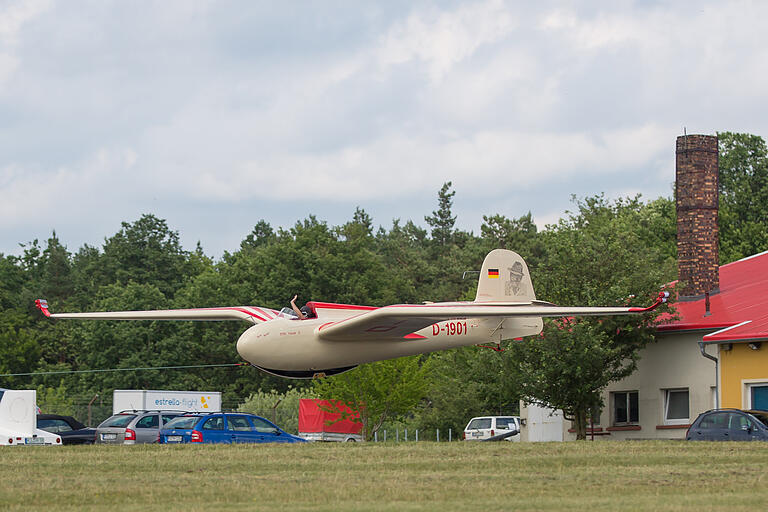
(544, 424)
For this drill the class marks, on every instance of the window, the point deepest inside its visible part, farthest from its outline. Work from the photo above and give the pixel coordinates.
(215, 423)
(625, 408)
(594, 416)
(167, 417)
(738, 421)
(676, 410)
(118, 421)
(263, 426)
(762, 417)
(717, 420)
(758, 395)
(507, 423)
(54, 425)
(479, 423)
(182, 422)
(150, 421)
(239, 423)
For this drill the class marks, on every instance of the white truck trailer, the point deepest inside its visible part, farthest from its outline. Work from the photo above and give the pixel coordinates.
(18, 420)
(158, 400)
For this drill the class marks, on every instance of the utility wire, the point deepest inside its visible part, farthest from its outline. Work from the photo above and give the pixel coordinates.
(122, 369)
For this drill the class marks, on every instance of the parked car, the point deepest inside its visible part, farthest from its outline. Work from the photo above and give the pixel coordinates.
(134, 427)
(70, 430)
(729, 425)
(493, 428)
(224, 428)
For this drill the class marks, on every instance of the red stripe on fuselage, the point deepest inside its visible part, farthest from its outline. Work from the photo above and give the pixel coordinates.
(332, 305)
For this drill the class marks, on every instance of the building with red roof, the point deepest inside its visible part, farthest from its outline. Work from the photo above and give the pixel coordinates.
(735, 322)
(710, 353)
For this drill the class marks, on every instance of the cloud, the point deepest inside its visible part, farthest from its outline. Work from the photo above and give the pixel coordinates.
(441, 39)
(397, 165)
(252, 106)
(88, 189)
(13, 16)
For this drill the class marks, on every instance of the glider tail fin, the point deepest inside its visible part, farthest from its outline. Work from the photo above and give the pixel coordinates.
(504, 278)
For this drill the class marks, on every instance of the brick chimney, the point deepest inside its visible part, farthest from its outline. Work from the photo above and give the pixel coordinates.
(696, 193)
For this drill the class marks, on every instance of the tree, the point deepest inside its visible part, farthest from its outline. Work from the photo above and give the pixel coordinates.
(12, 279)
(262, 234)
(596, 256)
(743, 182)
(467, 382)
(519, 235)
(19, 351)
(146, 251)
(442, 220)
(380, 391)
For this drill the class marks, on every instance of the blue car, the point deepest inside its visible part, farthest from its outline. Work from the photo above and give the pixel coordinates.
(224, 428)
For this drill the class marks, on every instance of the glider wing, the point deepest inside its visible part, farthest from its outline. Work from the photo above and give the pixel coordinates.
(250, 314)
(398, 321)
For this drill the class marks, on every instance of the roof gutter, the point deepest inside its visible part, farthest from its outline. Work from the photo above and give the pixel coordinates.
(702, 347)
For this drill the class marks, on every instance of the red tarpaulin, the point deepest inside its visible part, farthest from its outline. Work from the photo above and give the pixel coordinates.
(314, 419)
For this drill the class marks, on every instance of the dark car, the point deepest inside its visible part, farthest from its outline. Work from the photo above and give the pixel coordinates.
(70, 430)
(224, 428)
(729, 425)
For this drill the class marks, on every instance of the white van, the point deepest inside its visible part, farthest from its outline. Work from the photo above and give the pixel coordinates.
(497, 427)
(18, 420)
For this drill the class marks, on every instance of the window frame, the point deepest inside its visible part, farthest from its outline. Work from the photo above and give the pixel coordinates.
(220, 428)
(627, 402)
(665, 408)
(749, 391)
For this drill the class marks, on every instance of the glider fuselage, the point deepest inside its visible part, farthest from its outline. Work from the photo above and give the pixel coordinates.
(283, 345)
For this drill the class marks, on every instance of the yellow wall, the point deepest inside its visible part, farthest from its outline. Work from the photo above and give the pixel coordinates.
(741, 362)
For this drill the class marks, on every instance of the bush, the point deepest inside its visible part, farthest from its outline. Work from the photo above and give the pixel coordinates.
(280, 408)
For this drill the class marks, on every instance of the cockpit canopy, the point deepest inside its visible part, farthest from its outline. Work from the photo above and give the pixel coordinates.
(288, 313)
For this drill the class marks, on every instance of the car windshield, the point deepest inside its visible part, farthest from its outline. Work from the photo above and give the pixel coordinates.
(288, 313)
(763, 417)
(182, 422)
(118, 420)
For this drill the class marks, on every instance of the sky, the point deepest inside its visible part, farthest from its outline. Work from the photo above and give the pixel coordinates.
(214, 115)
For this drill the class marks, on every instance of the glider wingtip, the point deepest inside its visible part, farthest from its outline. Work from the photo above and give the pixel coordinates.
(661, 299)
(42, 305)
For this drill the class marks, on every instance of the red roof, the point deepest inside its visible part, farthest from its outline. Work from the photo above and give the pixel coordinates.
(739, 312)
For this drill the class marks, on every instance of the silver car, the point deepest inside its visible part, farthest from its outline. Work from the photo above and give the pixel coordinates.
(134, 427)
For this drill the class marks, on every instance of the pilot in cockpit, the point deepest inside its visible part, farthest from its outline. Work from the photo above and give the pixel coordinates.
(304, 313)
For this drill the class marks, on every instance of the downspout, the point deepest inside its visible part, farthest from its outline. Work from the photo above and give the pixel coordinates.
(712, 358)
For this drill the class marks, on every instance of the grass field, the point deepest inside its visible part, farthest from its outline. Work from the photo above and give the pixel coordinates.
(634, 475)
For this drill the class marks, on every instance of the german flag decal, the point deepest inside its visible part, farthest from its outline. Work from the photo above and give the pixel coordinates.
(493, 273)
